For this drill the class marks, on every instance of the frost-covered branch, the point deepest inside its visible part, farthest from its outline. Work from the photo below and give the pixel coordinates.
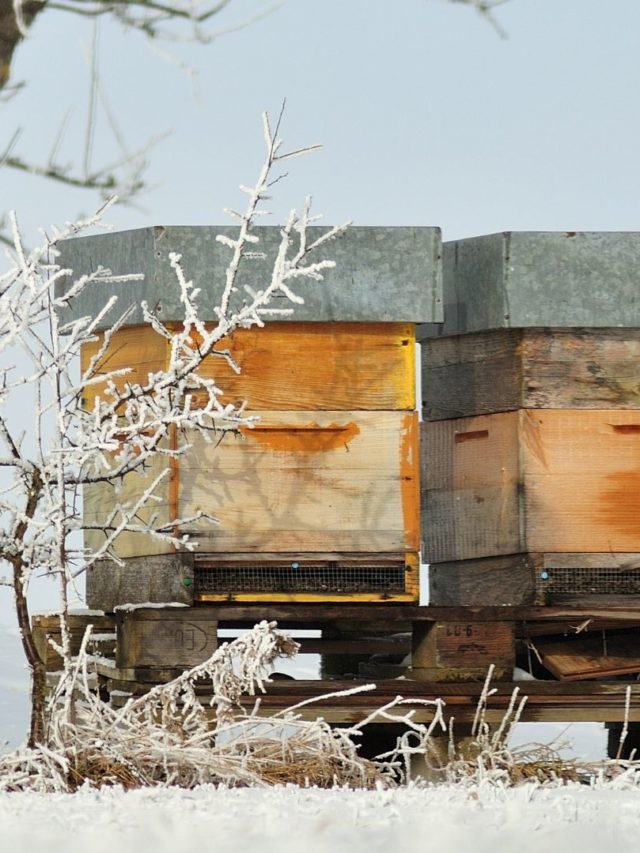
(106, 426)
(195, 730)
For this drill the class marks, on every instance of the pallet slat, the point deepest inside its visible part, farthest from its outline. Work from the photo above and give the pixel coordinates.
(603, 655)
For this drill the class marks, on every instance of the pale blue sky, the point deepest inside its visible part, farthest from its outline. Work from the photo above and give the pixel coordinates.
(427, 117)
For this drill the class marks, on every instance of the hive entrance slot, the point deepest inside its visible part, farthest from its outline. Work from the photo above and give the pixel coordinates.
(299, 576)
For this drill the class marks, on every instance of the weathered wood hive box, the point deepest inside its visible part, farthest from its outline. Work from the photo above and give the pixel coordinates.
(320, 499)
(531, 440)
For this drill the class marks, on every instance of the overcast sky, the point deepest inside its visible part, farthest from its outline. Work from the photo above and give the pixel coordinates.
(426, 115)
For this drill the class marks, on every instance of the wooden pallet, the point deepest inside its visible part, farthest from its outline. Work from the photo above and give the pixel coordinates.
(547, 701)
(451, 648)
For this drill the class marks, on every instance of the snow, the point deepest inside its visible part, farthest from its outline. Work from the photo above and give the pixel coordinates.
(288, 819)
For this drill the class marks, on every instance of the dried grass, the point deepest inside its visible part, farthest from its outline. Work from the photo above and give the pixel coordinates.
(166, 737)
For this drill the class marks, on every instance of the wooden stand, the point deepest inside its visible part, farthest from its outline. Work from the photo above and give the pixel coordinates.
(452, 649)
(462, 651)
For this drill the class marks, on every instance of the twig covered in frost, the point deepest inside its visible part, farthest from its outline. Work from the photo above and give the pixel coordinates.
(130, 423)
(166, 738)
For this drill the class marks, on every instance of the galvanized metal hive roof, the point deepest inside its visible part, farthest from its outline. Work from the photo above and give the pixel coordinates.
(549, 279)
(382, 274)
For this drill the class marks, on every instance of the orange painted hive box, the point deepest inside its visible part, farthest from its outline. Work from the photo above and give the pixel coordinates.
(326, 481)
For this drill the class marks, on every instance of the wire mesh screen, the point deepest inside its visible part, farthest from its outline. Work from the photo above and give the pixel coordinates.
(290, 577)
(571, 581)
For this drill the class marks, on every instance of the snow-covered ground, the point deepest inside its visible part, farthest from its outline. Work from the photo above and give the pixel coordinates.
(290, 820)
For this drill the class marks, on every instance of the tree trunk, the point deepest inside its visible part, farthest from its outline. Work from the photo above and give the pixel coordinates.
(10, 35)
(36, 665)
(38, 698)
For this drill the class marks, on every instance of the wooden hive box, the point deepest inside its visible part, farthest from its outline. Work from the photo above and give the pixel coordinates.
(560, 486)
(326, 479)
(542, 481)
(320, 499)
(537, 368)
(532, 398)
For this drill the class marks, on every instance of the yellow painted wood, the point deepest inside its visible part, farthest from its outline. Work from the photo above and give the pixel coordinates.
(321, 366)
(412, 576)
(287, 365)
(137, 348)
(300, 597)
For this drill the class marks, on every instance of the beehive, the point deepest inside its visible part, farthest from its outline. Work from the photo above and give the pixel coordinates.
(532, 420)
(320, 499)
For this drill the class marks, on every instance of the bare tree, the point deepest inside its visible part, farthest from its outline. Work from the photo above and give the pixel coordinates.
(155, 19)
(66, 445)
(184, 20)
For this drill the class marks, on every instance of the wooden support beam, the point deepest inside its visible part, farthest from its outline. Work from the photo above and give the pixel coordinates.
(234, 614)
(547, 701)
(462, 651)
(168, 637)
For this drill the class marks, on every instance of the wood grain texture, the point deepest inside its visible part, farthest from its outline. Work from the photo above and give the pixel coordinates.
(326, 481)
(608, 560)
(603, 655)
(467, 375)
(487, 372)
(45, 627)
(546, 700)
(155, 579)
(470, 481)
(581, 368)
(100, 498)
(582, 480)
(164, 637)
(493, 581)
(286, 365)
(137, 349)
(462, 650)
(312, 366)
(544, 480)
